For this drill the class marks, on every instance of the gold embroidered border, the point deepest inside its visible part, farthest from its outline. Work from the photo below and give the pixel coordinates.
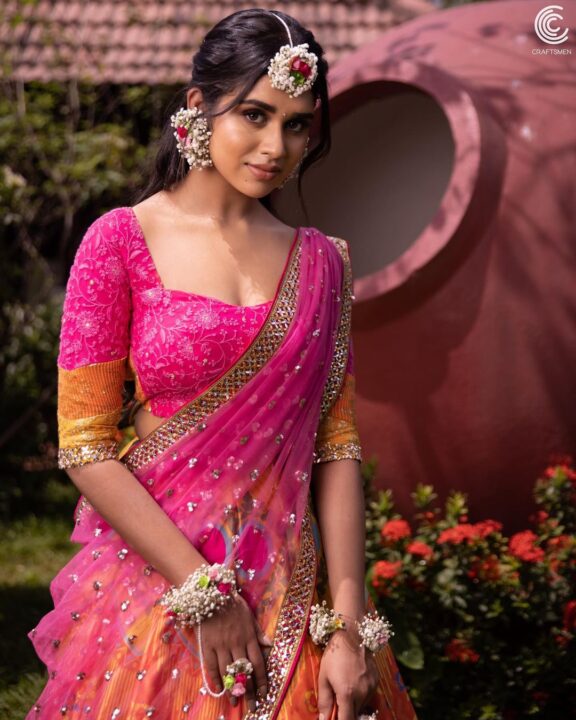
(85, 454)
(338, 451)
(253, 359)
(292, 624)
(340, 357)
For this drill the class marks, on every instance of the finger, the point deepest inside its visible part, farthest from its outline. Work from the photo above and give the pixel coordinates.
(250, 691)
(238, 653)
(250, 694)
(260, 679)
(213, 671)
(345, 707)
(325, 698)
(224, 659)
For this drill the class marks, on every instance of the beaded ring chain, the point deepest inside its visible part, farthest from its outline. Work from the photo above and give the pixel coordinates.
(237, 674)
(374, 631)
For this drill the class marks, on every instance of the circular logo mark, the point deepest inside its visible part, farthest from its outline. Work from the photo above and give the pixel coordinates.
(543, 25)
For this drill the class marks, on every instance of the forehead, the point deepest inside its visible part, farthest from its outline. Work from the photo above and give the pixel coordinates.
(263, 90)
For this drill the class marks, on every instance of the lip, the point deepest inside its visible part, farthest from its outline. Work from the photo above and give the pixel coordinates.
(262, 174)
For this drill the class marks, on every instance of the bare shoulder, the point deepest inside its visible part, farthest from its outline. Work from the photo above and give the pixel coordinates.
(149, 205)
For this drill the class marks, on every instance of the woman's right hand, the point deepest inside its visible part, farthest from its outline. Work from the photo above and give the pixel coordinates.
(230, 634)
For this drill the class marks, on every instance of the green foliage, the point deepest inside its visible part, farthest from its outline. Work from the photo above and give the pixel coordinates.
(68, 152)
(485, 625)
(32, 550)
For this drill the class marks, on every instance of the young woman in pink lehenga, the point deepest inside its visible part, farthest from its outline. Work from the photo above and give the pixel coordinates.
(236, 331)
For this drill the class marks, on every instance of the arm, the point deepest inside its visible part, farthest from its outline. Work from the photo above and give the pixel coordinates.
(348, 675)
(92, 364)
(339, 498)
(128, 508)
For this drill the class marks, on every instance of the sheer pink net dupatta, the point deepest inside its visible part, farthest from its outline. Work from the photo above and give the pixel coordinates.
(232, 469)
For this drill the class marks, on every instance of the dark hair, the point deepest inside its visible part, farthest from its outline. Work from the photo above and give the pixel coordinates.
(235, 53)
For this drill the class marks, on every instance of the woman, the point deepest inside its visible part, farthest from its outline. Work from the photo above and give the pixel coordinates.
(246, 455)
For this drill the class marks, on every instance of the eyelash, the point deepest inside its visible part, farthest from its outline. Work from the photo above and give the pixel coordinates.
(303, 123)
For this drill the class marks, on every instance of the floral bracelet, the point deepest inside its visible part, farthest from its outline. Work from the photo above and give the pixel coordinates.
(374, 631)
(203, 593)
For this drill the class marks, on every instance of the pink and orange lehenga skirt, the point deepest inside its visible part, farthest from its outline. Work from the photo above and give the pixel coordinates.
(232, 469)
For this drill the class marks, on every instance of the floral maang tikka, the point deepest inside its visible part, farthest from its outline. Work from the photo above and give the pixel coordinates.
(293, 69)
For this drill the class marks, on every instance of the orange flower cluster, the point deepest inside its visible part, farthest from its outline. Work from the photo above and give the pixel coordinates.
(395, 530)
(384, 575)
(458, 650)
(420, 548)
(469, 532)
(523, 546)
(488, 569)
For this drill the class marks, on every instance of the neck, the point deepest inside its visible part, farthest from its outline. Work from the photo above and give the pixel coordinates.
(205, 193)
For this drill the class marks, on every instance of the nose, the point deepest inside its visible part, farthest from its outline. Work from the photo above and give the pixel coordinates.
(274, 143)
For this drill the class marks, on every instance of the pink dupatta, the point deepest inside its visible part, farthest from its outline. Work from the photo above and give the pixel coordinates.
(232, 469)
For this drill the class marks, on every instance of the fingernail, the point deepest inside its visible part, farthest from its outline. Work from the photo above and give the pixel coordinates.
(320, 717)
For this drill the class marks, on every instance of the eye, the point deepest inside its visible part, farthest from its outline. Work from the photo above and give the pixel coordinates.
(258, 113)
(303, 125)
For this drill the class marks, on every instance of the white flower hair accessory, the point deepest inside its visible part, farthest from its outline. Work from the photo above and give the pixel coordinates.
(293, 69)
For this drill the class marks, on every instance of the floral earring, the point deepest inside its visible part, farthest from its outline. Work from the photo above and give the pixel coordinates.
(296, 168)
(192, 136)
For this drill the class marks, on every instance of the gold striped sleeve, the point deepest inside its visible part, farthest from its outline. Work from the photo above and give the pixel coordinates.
(337, 437)
(89, 409)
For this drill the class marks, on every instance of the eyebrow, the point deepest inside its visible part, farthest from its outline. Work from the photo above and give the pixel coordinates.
(272, 109)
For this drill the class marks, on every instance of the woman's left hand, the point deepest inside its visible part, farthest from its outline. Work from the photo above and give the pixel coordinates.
(348, 677)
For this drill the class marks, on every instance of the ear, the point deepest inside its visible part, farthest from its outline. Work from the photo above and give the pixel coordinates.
(194, 97)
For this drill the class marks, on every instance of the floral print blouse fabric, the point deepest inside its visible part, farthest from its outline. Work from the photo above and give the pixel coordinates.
(120, 323)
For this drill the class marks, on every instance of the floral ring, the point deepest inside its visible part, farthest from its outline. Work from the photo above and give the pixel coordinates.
(237, 674)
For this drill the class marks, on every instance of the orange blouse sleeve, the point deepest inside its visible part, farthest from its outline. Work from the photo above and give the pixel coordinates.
(337, 437)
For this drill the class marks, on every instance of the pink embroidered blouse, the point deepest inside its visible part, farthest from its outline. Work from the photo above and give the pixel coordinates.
(120, 323)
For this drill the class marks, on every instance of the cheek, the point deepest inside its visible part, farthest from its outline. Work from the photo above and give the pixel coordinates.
(230, 142)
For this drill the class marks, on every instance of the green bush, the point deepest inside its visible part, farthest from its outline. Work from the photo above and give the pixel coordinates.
(485, 625)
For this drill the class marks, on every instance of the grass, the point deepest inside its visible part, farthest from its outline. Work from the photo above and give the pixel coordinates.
(32, 551)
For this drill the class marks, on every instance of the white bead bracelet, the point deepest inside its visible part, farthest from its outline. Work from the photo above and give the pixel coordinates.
(374, 631)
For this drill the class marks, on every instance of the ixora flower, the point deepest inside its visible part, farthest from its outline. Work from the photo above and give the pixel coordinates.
(523, 546)
(420, 548)
(488, 569)
(487, 527)
(569, 619)
(458, 650)
(458, 534)
(384, 570)
(395, 530)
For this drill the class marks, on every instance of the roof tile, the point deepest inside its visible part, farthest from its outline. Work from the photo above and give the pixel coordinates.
(153, 41)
